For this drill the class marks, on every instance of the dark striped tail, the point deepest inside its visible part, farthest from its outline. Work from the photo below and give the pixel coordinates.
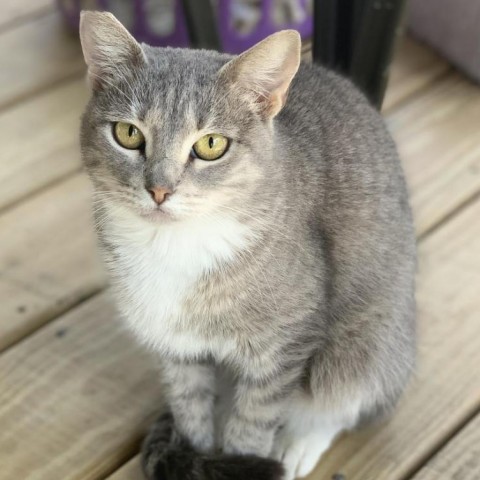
(166, 456)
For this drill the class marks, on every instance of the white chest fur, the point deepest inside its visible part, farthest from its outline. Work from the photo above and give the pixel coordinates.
(157, 267)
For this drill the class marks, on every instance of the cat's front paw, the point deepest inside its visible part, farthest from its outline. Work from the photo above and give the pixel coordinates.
(299, 455)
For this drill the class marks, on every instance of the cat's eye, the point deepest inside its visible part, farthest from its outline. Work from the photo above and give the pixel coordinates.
(128, 135)
(210, 147)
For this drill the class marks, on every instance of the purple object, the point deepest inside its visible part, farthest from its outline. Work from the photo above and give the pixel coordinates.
(139, 27)
(232, 40)
(236, 42)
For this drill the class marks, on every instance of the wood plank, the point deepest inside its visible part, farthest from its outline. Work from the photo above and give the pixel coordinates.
(449, 355)
(48, 259)
(40, 141)
(14, 10)
(414, 67)
(459, 459)
(75, 398)
(35, 55)
(437, 135)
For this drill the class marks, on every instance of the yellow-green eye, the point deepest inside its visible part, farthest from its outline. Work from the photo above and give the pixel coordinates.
(211, 146)
(128, 135)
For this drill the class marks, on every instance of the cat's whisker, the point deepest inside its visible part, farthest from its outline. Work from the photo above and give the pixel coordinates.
(106, 194)
(101, 221)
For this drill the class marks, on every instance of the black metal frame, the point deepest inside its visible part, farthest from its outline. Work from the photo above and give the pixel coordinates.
(201, 24)
(354, 37)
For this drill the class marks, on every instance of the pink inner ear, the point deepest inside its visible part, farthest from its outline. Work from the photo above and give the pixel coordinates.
(272, 103)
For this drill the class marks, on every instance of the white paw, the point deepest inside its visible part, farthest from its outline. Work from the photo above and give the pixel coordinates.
(300, 455)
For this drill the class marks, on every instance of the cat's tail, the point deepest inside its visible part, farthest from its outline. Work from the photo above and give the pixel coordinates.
(166, 456)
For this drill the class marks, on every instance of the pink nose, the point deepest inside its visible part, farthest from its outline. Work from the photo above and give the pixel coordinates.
(159, 194)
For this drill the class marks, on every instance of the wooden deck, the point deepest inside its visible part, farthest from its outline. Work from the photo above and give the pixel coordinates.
(76, 392)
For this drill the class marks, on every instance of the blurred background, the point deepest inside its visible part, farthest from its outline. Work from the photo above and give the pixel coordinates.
(76, 392)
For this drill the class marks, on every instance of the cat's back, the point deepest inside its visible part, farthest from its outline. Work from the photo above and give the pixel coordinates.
(338, 141)
(336, 147)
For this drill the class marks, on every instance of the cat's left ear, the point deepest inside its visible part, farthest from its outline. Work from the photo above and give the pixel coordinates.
(107, 47)
(265, 71)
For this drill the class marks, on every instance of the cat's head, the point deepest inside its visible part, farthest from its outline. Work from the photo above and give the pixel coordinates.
(171, 134)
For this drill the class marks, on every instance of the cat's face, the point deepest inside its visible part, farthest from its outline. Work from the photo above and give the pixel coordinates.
(174, 107)
(171, 134)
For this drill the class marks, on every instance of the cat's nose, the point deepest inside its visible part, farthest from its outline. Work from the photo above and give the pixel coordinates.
(159, 194)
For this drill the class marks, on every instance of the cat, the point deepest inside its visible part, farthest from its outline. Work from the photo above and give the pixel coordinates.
(254, 218)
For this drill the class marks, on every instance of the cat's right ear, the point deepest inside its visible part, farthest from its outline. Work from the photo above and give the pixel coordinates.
(264, 72)
(107, 47)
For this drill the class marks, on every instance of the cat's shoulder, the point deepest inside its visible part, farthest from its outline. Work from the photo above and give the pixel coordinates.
(315, 82)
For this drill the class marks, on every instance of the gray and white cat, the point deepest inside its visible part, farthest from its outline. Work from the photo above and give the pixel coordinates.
(254, 219)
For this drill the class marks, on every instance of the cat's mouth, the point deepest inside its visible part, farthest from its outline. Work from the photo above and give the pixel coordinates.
(157, 215)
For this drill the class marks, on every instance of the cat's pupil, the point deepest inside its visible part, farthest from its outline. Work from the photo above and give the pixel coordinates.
(210, 142)
(131, 130)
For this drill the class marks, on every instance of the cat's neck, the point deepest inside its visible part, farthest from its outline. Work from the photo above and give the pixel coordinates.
(202, 244)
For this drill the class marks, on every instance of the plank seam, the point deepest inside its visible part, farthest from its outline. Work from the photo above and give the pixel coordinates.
(444, 441)
(60, 312)
(449, 215)
(39, 190)
(135, 450)
(23, 285)
(416, 94)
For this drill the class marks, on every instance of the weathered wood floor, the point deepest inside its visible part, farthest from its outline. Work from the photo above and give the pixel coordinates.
(76, 392)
